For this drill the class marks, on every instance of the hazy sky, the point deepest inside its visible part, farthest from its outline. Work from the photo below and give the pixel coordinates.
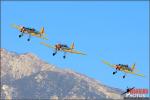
(117, 32)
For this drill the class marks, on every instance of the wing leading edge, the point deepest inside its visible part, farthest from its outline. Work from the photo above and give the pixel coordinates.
(74, 51)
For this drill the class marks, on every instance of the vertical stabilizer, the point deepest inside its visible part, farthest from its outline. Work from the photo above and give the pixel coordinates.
(133, 67)
(42, 30)
(72, 46)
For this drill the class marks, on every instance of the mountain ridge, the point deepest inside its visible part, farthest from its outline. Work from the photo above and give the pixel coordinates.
(18, 70)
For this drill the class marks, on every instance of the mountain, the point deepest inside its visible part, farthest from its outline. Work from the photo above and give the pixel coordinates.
(25, 76)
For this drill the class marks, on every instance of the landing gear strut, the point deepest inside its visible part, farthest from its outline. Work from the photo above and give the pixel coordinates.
(20, 35)
(64, 55)
(114, 72)
(124, 76)
(54, 54)
(29, 38)
(55, 51)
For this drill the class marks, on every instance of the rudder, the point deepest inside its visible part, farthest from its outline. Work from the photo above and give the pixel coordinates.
(42, 30)
(133, 67)
(72, 46)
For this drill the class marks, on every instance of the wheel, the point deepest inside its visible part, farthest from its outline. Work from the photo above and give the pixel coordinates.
(28, 39)
(64, 57)
(113, 73)
(54, 54)
(19, 36)
(124, 76)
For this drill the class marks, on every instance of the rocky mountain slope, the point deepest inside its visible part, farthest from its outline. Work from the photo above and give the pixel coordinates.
(25, 76)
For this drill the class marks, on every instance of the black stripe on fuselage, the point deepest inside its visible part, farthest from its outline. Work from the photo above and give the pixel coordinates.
(126, 68)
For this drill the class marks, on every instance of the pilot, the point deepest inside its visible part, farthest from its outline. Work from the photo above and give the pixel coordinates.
(120, 64)
(58, 46)
(31, 29)
(22, 29)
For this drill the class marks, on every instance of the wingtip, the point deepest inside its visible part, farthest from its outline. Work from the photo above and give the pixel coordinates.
(13, 25)
(103, 61)
(143, 76)
(41, 42)
(46, 39)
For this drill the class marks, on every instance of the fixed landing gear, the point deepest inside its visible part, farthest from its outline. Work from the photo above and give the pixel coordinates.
(54, 54)
(64, 57)
(20, 36)
(124, 76)
(55, 51)
(114, 72)
(28, 39)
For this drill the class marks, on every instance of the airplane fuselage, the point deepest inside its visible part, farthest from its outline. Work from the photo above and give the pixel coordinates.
(28, 30)
(123, 68)
(60, 47)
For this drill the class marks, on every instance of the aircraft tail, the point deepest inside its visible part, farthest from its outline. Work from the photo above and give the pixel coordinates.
(72, 46)
(42, 30)
(133, 67)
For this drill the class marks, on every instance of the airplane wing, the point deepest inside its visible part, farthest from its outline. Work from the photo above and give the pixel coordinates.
(107, 63)
(124, 93)
(47, 45)
(128, 91)
(16, 26)
(133, 73)
(42, 37)
(38, 35)
(136, 74)
(73, 51)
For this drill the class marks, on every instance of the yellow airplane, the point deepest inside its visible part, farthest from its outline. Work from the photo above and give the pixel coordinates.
(62, 47)
(123, 68)
(31, 32)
